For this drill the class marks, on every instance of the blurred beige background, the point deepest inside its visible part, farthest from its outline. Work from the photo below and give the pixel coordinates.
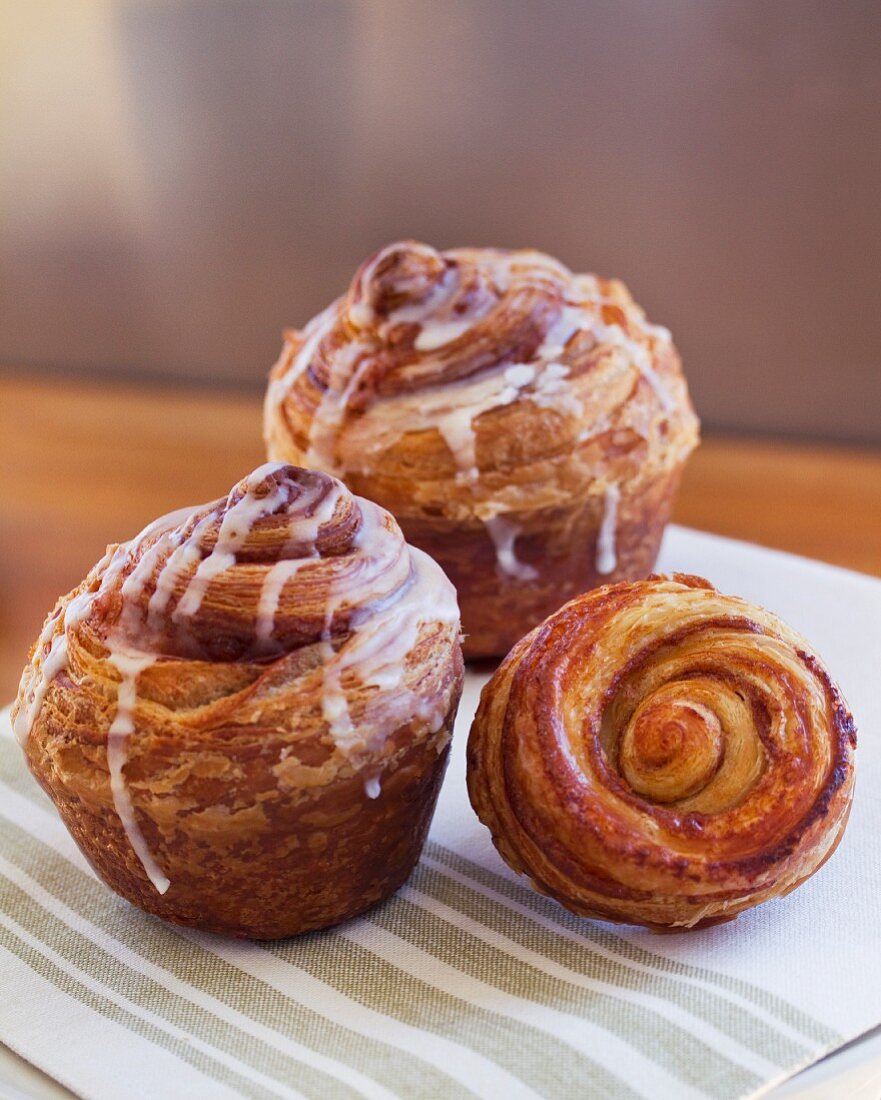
(181, 178)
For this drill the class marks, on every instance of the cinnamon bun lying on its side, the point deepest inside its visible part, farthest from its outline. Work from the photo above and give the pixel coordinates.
(658, 753)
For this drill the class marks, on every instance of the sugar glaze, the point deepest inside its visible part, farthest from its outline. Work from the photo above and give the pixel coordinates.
(606, 556)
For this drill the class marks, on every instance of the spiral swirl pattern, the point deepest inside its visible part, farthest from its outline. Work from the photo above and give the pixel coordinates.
(661, 754)
(201, 586)
(525, 425)
(267, 662)
(445, 342)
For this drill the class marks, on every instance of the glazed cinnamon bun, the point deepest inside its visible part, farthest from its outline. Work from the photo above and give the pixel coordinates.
(526, 426)
(243, 714)
(658, 753)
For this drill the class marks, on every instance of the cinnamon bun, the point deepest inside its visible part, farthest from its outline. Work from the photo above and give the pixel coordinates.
(526, 426)
(243, 714)
(658, 753)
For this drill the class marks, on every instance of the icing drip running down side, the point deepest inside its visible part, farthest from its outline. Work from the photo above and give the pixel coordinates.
(606, 559)
(503, 533)
(130, 666)
(289, 560)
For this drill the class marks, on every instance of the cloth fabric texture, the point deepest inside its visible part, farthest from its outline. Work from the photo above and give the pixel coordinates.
(466, 983)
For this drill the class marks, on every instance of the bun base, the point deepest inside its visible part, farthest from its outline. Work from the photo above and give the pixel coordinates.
(292, 861)
(560, 545)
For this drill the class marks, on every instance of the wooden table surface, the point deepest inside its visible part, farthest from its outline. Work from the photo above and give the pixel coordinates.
(84, 464)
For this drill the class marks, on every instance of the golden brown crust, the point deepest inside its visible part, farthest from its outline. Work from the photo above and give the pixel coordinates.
(492, 401)
(657, 753)
(281, 778)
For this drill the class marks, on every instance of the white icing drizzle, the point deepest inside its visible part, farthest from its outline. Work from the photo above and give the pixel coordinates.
(54, 663)
(554, 391)
(616, 337)
(606, 558)
(270, 594)
(455, 422)
(306, 534)
(320, 511)
(422, 311)
(503, 533)
(381, 636)
(130, 666)
(388, 635)
(186, 553)
(312, 336)
(435, 333)
(651, 376)
(184, 557)
(332, 408)
(588, 287)
(436, 336)
(382, 647)
(46, 668)
(520, 375)
(372, 787)
(571, 320)
(457, 428)
(234, 530)
(334, 703)
(450, 410)
(361, 314)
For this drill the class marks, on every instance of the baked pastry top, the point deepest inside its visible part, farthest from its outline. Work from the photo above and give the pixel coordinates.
(461, 381)
(658, 753)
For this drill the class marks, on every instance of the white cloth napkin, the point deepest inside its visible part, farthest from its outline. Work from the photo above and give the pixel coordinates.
(466, 983)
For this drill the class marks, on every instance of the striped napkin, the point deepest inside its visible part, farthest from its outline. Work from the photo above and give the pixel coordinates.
(466, 983)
